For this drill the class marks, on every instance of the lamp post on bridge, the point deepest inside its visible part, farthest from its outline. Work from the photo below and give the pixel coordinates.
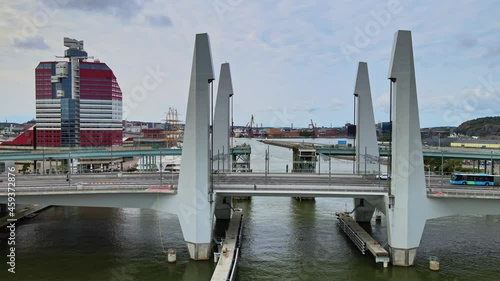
(354, 95)
(211, 139)
(392, 80)
(161, 170)
(43, 162)
(69, 169)
(491, 163)
(330, 166)
(442, 168)
(429, 177)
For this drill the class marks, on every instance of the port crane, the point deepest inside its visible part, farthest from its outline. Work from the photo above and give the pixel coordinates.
(313, 128)
(249, 128)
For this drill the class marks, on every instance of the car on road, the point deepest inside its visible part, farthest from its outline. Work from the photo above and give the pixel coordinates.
(382, 176)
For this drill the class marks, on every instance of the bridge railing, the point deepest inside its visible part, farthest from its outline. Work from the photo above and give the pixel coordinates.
(54, 189)
(373, 189)
(464, 193)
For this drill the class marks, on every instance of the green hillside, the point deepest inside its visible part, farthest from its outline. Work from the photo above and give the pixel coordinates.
(481, 127)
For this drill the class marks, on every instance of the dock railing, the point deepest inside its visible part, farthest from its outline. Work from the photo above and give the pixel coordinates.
(234, 261)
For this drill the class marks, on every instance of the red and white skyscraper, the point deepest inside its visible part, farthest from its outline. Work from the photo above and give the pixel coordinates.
(78, 103)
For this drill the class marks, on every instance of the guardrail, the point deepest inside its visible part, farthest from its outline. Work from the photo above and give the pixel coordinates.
(234, 261)
(262, 188)
(360, 244)
(148, 188)
(464, 193)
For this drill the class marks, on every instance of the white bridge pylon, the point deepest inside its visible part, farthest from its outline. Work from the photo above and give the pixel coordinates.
(366, 135)
(408, 194)
(194, 202)
(222, 153)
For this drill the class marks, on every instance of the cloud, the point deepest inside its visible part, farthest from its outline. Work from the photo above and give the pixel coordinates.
(468, 42)
(118, 8)
(312, 109)
(493, 51)
(158, 20)
(33, 43)
(337, 103)
(124, 10)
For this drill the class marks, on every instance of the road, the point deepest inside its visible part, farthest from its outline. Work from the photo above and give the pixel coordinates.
(153, 179)
(241, 184)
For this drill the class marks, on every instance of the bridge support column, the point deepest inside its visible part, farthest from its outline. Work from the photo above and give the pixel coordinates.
(223, 207)
(195, 194)
(364, 210)
(407, 202)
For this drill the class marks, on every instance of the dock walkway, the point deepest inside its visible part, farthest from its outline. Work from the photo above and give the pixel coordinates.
(361, 238)
(22, 213)
(228, 261)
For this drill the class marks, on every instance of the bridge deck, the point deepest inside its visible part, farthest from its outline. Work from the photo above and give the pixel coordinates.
(361, 238)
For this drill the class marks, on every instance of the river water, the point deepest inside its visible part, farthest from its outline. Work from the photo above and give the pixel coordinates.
(283, 239)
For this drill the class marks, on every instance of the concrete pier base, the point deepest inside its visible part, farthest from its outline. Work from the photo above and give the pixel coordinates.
(199, 251)
(364, 210)
(223, 205)
(403, 257)
(304, 198)
(242, 198)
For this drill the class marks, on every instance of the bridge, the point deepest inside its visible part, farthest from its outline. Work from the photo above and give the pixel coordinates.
(42, 154)
(281, 185)
(200, 196)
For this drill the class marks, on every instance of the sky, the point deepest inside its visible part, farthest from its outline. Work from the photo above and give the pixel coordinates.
(291, 61)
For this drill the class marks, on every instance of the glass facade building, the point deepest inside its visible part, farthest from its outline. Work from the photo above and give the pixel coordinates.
(78, 103)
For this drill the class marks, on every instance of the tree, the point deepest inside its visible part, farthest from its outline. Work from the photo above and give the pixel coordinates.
(26, 167)
(449, 165)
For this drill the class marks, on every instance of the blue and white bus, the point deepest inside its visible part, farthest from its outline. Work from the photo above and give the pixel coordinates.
(474, 179)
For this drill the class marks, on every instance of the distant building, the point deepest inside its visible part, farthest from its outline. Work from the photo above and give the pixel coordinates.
(23, 139)
(477, 143)
(385, 128)
(351, 130)
(78, 103)
(153, 133)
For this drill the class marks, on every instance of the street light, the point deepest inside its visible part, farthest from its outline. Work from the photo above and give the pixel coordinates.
(43, 163)
(211, 135)
(392, 80)
(491, 164)
(354, 96)
(69, 169)
(232, 129)
(442, 168)
(161, 170)
(429, 177)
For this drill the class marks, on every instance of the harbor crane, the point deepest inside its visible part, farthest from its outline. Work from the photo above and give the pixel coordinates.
(313, 128)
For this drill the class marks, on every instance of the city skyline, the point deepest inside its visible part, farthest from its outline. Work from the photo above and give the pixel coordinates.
(290, 62)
